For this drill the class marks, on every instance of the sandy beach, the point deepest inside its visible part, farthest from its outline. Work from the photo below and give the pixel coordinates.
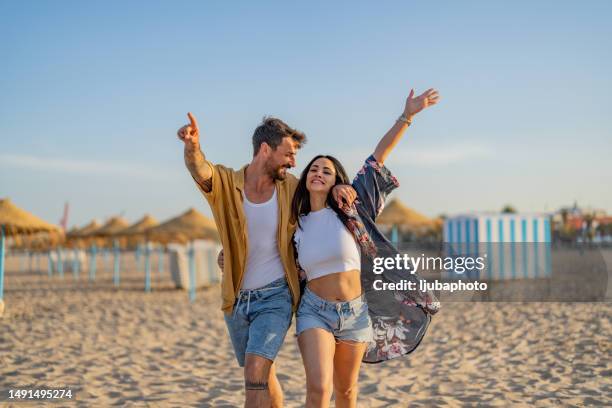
(124, 347)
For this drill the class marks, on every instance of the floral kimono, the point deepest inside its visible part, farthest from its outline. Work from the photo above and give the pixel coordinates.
(399, 318)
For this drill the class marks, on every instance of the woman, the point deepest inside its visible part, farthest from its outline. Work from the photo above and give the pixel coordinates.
(335, 247)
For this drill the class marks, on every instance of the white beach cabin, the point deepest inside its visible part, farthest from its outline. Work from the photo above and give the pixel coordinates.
(514, 246)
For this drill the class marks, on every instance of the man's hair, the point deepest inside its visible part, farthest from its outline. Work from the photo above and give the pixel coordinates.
(272, 131)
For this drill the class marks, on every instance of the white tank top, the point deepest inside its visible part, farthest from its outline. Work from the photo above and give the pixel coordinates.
(324, 245)
(263, 259)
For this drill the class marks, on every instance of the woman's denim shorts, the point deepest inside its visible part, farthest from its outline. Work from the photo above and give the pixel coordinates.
(345, 320)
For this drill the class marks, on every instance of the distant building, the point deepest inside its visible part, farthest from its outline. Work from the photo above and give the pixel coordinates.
(575, 224)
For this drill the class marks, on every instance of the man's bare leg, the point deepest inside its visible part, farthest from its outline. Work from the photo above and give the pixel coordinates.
(261, 383)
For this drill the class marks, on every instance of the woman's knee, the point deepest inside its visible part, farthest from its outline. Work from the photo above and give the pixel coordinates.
(346, 391)
(320, 388)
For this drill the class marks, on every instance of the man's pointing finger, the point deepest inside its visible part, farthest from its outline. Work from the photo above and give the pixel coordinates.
(192, 119)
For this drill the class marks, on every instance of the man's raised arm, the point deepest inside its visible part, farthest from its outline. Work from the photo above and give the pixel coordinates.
(194, 158)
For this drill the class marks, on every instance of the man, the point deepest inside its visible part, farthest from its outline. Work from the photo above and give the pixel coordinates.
(260, 286)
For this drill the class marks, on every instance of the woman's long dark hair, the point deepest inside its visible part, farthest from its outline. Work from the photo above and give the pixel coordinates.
(301, 197)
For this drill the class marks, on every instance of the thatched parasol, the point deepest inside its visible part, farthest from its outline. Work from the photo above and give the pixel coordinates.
(397, 214)
(86, 230)
(112, 227)
(106, 234)
(186, 227)
(140, 226)
(136, 233)
(15, 221)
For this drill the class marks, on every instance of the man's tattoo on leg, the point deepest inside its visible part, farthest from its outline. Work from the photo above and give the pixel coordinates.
(254, 385)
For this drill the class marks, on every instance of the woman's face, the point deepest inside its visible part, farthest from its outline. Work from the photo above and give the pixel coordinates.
(321, 176)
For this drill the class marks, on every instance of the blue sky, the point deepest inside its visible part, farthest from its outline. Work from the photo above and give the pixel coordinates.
(91, 95)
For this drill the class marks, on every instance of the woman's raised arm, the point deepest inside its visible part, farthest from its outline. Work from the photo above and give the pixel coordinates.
(413, 106)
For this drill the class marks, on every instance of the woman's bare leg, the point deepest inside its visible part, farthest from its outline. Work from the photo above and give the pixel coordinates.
(347, 362)
(317, 348)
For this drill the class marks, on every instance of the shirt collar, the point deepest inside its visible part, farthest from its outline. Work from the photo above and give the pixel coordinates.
(239, 177)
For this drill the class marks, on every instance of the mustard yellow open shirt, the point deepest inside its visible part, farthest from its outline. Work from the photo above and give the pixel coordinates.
(226, 203)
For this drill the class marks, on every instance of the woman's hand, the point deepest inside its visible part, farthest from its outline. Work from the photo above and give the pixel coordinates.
(424, 100)
(344, 194)
(413, 106)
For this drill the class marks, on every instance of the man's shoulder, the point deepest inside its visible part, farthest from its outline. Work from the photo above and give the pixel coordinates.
(292, 181)
(228, 172)
(222, 167)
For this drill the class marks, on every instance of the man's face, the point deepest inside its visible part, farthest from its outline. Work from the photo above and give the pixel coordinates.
(282, 158)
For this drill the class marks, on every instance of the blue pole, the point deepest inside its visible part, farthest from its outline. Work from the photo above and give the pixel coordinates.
(395, 236)
(116, 269)
(147, 261)
(60, 263)
(192, 273)
(2, 264)
(137, 254)
(106, 255)
(75, 264)
(160, 259)
(92, 263)
(49, 264)
(211, 265)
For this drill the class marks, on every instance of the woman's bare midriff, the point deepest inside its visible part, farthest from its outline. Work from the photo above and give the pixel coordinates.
(337, 287)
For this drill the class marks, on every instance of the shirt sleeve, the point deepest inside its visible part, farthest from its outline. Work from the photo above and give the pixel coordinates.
(373, 183)
(214, 184)
(296, 244)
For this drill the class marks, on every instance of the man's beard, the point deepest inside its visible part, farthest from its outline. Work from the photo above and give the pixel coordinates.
(278, 173)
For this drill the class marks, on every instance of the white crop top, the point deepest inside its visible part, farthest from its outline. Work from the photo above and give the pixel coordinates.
(324, 245)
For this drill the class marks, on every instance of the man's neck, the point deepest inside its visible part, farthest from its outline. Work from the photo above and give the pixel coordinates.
(258, 184)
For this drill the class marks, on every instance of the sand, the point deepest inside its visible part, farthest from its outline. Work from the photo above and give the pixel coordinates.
(123, 347)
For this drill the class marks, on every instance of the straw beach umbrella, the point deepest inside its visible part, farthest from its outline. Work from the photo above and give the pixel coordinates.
(80, 232)
(110, 228)
(189, 226)
(140, 227)
(186, 227)
(87, 229)
(108, 234)
(15, 222)
(398, 216)
(136, 233)
(77, 236)
(80, 238)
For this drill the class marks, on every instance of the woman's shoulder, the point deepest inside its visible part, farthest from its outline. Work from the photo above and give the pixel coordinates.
(316, 217)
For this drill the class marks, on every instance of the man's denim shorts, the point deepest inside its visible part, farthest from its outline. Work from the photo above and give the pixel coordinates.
(345, 320)
(259, 320)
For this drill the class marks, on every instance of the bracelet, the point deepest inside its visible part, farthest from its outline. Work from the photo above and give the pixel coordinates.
(404, 118)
